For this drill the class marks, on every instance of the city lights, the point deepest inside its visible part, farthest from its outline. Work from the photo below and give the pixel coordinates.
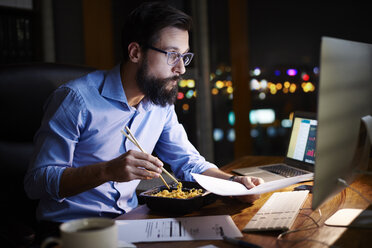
(305, 77)
(217, 134)
(185, 107)
(286, 123)
(231, 118)
(180, 95)
(214, 91)
(182, 83)
(219, 84)
(231, 135)
(255, 72)
(297, 82)
(229, 90)
(292, 88)
(262, 116)
(307, 87)
(189, 94)
(254, 84)
(262, 96)
(291, 72)
(190, 83)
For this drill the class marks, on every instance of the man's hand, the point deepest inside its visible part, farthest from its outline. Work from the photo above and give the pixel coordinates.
(249, 182)
(134, 165)
(129, 166)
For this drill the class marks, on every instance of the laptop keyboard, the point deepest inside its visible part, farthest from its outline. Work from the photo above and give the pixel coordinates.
(283, 170)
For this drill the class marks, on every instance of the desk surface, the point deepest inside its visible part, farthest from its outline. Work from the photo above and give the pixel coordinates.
(241, 213)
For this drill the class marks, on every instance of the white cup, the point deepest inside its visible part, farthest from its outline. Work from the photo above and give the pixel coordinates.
(86, 233)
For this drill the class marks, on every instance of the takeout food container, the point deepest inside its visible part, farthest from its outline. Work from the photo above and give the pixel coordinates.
(174, 205)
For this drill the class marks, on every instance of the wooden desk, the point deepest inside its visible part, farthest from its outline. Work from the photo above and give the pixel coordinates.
(241, 213)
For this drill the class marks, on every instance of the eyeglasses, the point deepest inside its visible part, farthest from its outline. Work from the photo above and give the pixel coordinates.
(174, 57)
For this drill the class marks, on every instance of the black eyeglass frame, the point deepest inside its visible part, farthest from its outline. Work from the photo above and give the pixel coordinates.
(179, 56)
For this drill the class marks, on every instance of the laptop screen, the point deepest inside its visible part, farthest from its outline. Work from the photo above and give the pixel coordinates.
(302, 141)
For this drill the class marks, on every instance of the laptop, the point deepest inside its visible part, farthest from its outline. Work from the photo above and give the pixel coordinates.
(300, 157)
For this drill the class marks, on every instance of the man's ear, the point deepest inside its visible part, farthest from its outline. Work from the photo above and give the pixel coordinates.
(134, 52)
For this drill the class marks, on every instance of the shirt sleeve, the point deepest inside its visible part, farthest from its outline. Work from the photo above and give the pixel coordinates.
(174, 148)
(55, 143)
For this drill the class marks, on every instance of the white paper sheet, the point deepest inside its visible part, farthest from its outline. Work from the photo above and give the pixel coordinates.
(228, 188)
(177, 229)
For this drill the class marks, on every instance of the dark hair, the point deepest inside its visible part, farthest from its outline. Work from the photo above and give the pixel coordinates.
(144, 23)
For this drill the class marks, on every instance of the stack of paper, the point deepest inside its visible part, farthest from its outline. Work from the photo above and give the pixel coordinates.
(228, 188)
(177, 229)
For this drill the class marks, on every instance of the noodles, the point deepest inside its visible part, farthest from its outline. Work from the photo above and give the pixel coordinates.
(178, 193)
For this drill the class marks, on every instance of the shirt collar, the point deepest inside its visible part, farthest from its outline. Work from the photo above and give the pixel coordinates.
(113, 89)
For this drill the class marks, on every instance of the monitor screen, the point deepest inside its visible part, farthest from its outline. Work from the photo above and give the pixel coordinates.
(302, 142)
(345, 90)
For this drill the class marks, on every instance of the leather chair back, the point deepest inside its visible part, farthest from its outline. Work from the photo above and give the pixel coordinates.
(23, 90)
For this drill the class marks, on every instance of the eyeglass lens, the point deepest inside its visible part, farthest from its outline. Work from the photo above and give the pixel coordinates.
(173, 58)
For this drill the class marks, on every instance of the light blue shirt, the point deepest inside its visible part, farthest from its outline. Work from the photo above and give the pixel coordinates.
(81, 126)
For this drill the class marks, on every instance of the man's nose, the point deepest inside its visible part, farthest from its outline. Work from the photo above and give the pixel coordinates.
(180, 67)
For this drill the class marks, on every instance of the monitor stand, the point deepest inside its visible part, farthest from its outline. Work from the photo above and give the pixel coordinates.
(367, 121)
(351, 217)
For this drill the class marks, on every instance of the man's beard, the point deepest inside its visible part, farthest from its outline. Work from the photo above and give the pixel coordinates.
(155, 89)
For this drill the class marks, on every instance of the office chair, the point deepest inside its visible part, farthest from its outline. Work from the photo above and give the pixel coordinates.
(23, 91)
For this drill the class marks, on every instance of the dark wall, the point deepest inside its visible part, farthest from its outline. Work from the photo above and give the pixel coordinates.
(68, 31)
(289, 32)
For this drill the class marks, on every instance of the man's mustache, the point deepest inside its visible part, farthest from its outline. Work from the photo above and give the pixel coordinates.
(174, 78)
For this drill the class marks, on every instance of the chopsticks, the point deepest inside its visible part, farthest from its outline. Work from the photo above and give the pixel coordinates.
(133, 139)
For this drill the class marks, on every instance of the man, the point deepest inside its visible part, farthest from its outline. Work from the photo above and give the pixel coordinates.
(83, 166)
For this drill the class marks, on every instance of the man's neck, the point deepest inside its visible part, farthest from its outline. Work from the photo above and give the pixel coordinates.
(128, 80)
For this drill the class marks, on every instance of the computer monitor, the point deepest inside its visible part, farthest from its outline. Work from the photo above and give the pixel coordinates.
(345, 97)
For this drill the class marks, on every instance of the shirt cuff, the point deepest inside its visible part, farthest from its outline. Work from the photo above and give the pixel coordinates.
(53, 178)
(199, 170)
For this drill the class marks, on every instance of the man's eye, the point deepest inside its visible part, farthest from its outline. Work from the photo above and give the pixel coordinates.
(173, 56)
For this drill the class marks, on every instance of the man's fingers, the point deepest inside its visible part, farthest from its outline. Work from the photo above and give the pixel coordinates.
(140, 159)
(148, 166)
(247, 181)
(146, 157)
(257, 180)
(141, 173)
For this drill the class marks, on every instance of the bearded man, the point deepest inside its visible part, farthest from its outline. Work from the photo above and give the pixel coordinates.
(82, 165)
